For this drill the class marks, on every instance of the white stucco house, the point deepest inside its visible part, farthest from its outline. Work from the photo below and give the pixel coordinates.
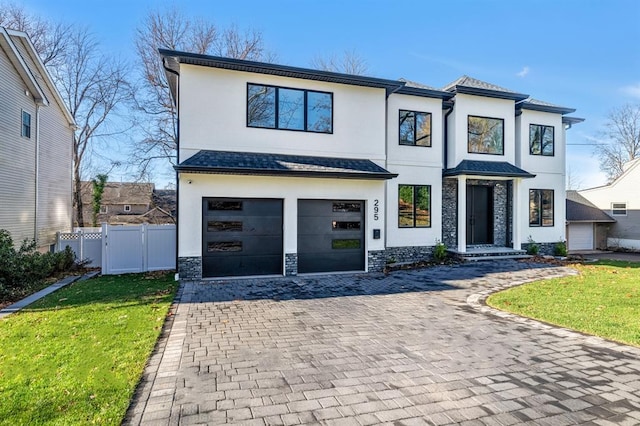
(36, 142)
(285, 170)
(621, 200)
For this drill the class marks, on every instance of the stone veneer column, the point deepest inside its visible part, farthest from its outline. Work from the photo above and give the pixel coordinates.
(291, 264)
(190, 268)
(462, 214)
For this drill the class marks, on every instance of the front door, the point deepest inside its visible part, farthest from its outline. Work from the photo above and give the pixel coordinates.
(479, 214)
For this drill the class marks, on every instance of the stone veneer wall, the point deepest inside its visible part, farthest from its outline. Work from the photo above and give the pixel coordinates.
(543, 248)
(450, 212)
(409, 254)
(377, 260)
(500, 215)
(190, 268)
(291, 264)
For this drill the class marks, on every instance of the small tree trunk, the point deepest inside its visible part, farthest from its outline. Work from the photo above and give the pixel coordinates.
(77, 196)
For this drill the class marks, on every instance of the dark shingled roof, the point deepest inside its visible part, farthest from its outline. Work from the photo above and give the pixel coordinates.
(579, 209)
(487, 168)
(538, 105)
(419, 89)
(252, 163)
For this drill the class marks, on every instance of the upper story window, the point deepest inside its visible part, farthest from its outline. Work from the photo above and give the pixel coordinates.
(415, 128)
(273, 107)
(541, 140)
(485, 135)
(414, 206)
(26, 124)
(619, 209)
(541, 207)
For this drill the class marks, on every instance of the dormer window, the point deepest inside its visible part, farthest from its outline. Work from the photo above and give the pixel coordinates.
(485, 135)
(282, 108)
(415, 128)
(541, 140)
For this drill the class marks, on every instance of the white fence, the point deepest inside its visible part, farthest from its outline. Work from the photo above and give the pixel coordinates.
(121, 249)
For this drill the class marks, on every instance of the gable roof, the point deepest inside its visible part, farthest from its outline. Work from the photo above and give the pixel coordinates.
(173, 58)
(120, 193)
(16, 44)
(628, 167)
(487, 168)
(254, 163)
(472, 86)
(579, 209)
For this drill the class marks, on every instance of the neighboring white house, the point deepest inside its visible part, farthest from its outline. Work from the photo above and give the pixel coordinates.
(621, 200)
(36, 132)
(285, 170)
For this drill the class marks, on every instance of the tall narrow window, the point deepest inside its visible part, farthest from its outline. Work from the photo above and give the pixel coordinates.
(289, 109)
(26, 124)
(415, 128)
(541, 207)
(541, 140)
(414, 206)
(485, 135)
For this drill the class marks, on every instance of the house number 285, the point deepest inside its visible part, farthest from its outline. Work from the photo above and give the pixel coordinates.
(376, 209)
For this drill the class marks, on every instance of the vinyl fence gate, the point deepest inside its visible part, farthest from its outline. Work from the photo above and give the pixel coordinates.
(125, 248)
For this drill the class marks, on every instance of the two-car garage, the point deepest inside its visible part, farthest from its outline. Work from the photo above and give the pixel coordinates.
(244, 236)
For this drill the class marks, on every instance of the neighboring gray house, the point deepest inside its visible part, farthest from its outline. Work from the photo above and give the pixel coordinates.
(36, 132)
(621, 200)
(587, 225)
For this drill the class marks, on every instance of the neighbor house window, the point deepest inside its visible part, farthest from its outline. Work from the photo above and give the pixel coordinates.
(541, 140)
(541, 207)
(289, 109)
(103, 209)
(26, 124)
(414, 206)
(127, 208)
(415, 128)
(619, 209)
(485, 135)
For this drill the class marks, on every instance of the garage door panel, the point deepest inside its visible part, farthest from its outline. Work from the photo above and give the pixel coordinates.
(242, 237)
(330, 235)
(580, 236)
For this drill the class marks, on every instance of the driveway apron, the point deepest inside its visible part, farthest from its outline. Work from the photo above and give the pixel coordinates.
(407, 348)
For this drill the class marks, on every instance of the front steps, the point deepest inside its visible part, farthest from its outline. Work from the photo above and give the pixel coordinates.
(489, 252)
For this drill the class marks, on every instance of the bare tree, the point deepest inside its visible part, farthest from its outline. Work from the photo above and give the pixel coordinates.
(349, 63)
(573, 182)
(622, 131)
(172, 29)
(94, 87)
(49, 39)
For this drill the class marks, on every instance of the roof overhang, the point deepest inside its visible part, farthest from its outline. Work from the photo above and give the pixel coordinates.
(172, 60)
(546, 108)
(425, 93)
(572, 120)
(23, 70)
(476, 91)
(492, 169)
(262, 164)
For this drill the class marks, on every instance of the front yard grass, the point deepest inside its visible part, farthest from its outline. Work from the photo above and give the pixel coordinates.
(603, 300)
(75, 357)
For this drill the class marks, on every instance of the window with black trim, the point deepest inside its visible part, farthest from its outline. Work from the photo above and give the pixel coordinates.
(414, 206)
(541, 140)
(272, 107)
(541, 207)
(26, 124)
(485, 135)
(415, 128)
(619, 209)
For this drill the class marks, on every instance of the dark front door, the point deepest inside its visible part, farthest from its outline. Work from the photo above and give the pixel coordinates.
(479, 214)
(241, 236)
(330, 236)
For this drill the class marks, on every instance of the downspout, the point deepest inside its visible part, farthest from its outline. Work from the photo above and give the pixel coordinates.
(169, 70)
(449, 107)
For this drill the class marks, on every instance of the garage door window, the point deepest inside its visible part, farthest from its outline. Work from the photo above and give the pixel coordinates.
(225, 205)
(345, 226)
(224, 246)
(345, 244)
(346, 207)
(224, 226)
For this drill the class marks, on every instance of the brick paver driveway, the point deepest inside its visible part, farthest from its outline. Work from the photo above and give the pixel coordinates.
(412, 347)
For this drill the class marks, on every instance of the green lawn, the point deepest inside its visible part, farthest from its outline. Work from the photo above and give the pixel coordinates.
(76, 356)
(604, 300)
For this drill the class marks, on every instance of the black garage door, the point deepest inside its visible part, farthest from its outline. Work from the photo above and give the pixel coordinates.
(330, 236)
(241, 236)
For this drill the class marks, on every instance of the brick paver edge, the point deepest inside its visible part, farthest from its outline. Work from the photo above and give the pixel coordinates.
(478, 301)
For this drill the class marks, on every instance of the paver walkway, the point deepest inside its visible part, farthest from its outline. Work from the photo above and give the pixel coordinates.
(410, 348)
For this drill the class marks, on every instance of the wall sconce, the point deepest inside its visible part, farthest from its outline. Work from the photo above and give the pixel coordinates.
(189, 181)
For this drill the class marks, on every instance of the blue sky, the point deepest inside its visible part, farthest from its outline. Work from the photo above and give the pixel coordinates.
(581, 54)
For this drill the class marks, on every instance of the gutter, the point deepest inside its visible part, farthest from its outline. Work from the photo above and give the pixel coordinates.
(449, 107)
